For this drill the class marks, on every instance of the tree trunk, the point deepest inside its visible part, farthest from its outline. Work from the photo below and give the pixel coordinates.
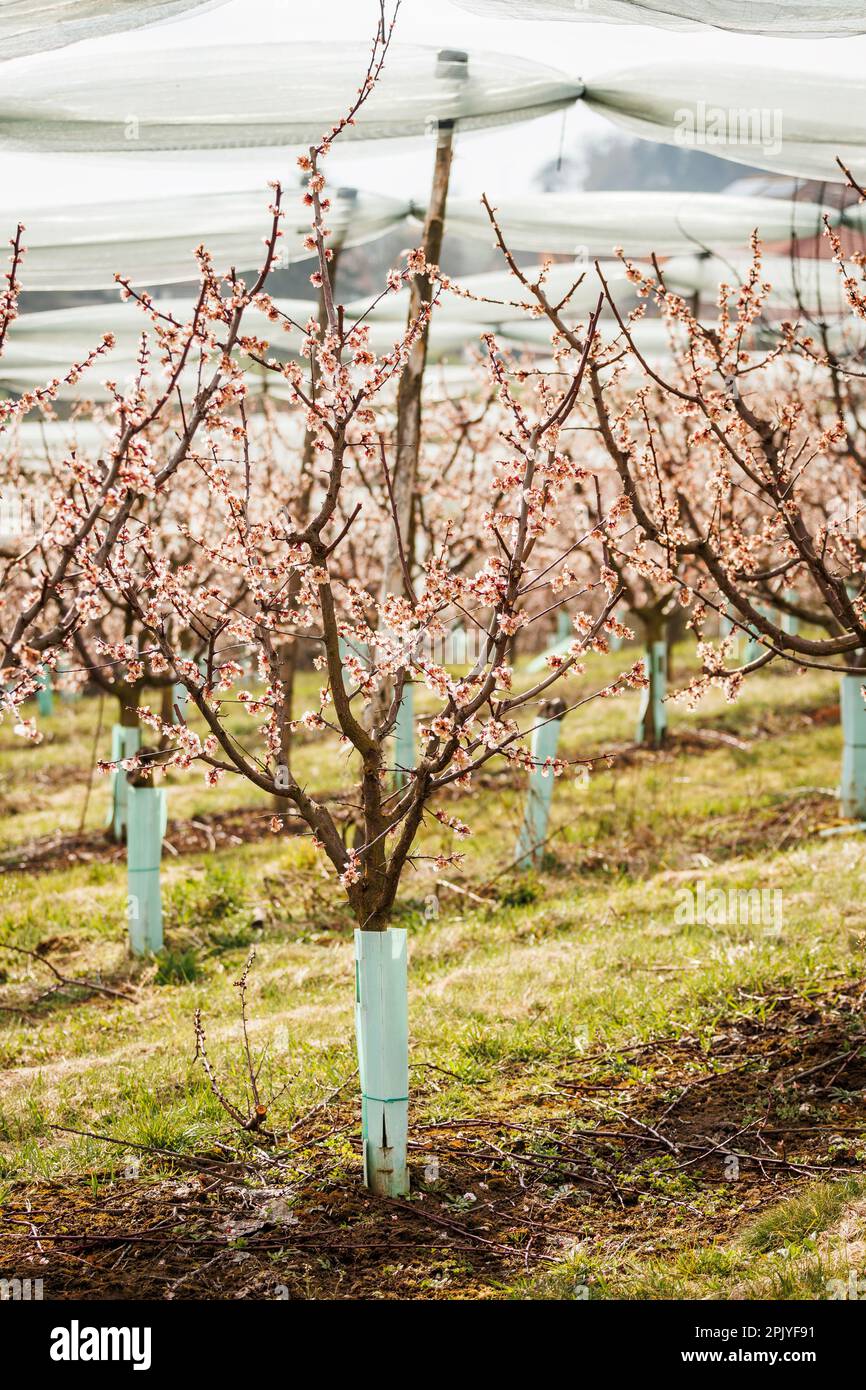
(129, 698)
(167, 704)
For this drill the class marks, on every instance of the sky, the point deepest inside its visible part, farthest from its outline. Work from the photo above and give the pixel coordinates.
(501, 162)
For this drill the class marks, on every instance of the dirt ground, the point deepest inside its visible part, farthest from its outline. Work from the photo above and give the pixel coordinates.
(639, 1142)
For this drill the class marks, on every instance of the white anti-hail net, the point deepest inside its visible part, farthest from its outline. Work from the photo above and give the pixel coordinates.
(32, 26)
(263, 95)
(152, 241)
(593, 223)
(790, 122)
(781, 18)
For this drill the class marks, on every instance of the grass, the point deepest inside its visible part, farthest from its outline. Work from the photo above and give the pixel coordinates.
(582, 959)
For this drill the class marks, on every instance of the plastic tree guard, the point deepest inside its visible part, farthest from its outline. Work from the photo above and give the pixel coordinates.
(382, 1028)
(45, 696)
(404, 736)
(179, 702)
(357, 649)
(68, 696)
(754, 647)
(789, 623)
(533, 832)
(147, 816)
(652, 721)
(125, 743)
(852, 791)
(559, 646)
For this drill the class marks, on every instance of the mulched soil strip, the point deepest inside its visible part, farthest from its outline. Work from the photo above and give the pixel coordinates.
(629, 1149)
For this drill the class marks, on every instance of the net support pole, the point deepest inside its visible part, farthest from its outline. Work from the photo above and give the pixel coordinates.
(852, 790)
(382, 1030)
(125, 743)
(533, 832)
(147, 814)
(411, 384)
(652, 723)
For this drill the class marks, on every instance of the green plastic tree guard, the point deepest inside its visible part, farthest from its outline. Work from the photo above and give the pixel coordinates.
(147, 810)
(67, 696)
(404, 735)
(382, 1029)
(852, 791)
(790, 624)
(652, 722)
(179, 702)
(125, 743)
(754, 647)
(533, 832)
(560, 644)
(358, 649)
(45, 696)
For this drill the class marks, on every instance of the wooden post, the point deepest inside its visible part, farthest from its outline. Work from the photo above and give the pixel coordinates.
(450, 64)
